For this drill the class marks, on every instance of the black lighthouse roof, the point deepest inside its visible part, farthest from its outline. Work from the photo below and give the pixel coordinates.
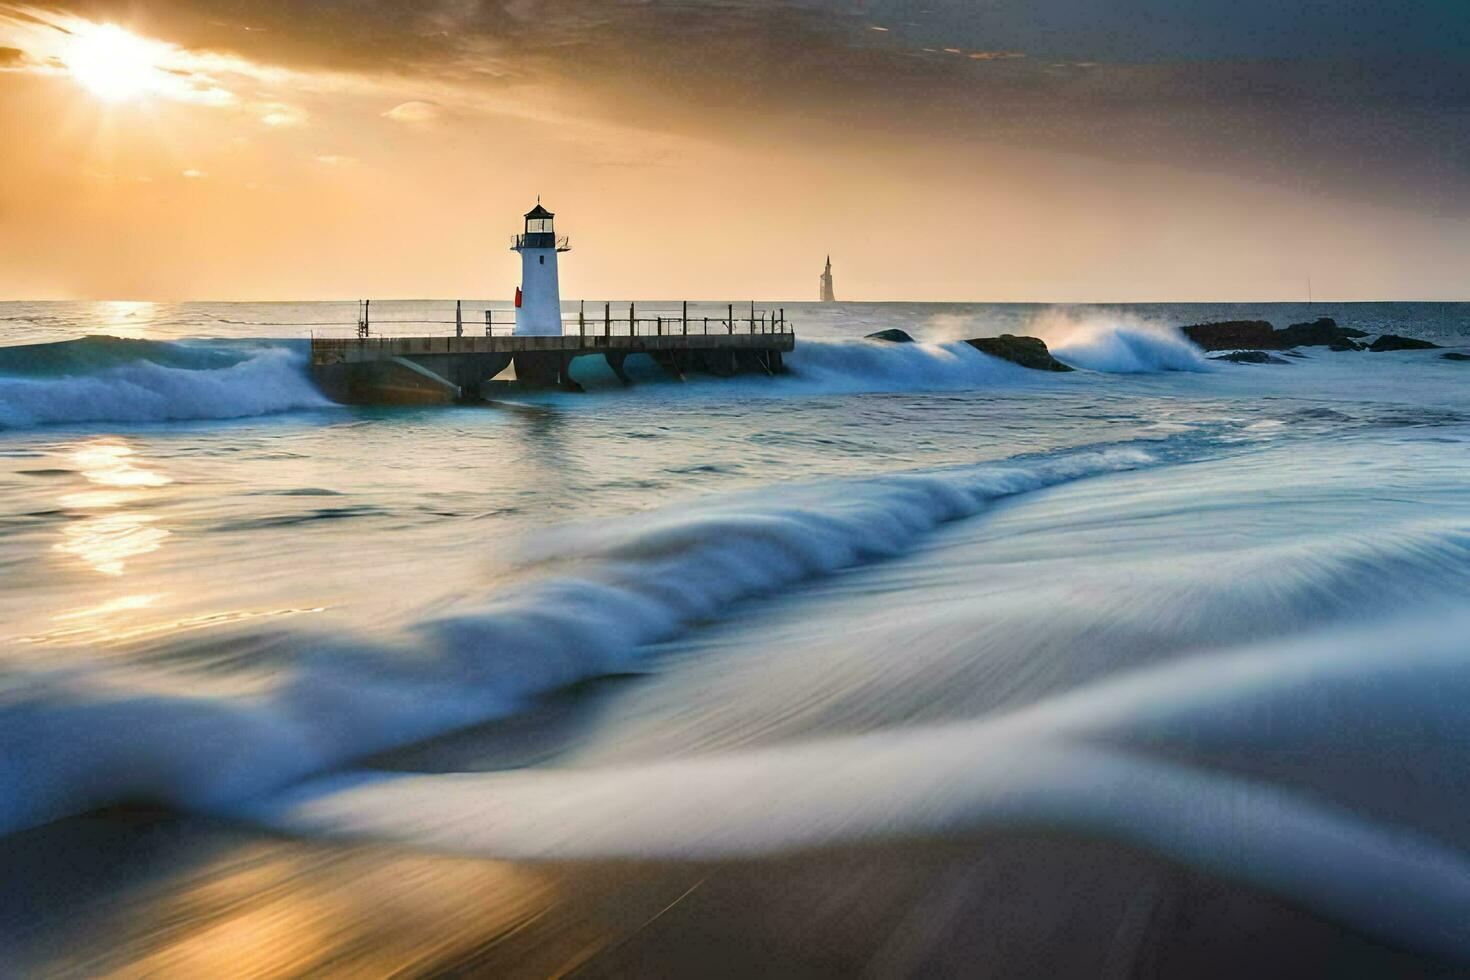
(539, 212)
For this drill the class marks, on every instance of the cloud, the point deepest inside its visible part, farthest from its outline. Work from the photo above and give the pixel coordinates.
(335, 160)
(193, 174)
(1355, 97)
(281, 116)
(13, 58)
(415, 111)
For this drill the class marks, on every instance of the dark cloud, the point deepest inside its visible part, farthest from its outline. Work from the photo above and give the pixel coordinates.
(1170, 30)
(12, 58)
(1348, 97)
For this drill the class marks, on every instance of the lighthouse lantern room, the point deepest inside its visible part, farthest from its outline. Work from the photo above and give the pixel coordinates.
(538, 300)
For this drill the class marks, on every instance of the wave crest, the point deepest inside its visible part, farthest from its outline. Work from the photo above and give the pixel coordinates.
(82, 740)
(104, 379)
(1117, 343)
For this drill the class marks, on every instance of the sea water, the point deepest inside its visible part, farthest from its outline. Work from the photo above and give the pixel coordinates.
(1211, 610)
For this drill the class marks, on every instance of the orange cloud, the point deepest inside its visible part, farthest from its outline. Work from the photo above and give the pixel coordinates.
(415, 111)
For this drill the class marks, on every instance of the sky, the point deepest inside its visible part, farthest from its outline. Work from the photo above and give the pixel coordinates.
(948, 150)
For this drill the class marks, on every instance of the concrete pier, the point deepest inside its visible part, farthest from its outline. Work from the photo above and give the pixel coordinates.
(368, 370)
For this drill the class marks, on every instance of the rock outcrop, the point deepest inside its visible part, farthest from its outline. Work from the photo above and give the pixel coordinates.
(1251, 357)
(1029, 352)
(1392, 341)
(1234, 335)
(1322, 332)
(1260, 335)
(1455, 356)
(892, 335)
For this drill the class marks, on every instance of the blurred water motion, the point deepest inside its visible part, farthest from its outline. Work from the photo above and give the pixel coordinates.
(909, 662)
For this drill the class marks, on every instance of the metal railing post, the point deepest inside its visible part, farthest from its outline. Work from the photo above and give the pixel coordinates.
(684, 318)
(730, 318)
(607, 319)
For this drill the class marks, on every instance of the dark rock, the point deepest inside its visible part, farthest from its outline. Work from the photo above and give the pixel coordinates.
(1455, 356)
(1251, 357)
(1342, 345)
(1029, 352)
(892, 335)
(1235, 335)
(1319, 333)
(1260, 335)
(1392, 341)
(1294, 353)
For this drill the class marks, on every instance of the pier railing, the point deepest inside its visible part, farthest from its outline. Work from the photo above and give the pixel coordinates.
(698, 319)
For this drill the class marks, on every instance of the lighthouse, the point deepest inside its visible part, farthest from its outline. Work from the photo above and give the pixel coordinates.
(828, 296)
(538, 301)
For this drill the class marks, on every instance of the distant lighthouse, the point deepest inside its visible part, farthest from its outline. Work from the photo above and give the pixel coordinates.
(538, 301)
(827, 295)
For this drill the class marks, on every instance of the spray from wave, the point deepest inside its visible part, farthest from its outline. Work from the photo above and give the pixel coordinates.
(1117, 343)
(104, 379)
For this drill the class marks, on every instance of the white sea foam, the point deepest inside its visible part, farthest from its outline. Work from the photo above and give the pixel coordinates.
(83, 739)
(867, 365)
(1117, 343)
(1151, 760)
(140, 390)
(101, 379)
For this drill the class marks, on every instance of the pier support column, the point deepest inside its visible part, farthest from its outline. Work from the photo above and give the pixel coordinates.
(565, 372)
(537, 368)
(615, 363)
(545, 369)
(669, 361)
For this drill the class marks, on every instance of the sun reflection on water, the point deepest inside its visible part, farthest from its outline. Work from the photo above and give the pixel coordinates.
(106, 542)
(107, 462)
(130, 319)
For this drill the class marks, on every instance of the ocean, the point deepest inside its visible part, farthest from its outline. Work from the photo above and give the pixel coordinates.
(290, 686)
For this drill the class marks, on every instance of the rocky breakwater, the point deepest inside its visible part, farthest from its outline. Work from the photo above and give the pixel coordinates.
(1249, 340)
(1261, 335)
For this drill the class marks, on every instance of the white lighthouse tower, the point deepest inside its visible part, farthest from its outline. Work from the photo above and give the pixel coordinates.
(538, 303)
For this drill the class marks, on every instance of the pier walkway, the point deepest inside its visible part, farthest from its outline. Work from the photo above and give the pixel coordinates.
(373, 369)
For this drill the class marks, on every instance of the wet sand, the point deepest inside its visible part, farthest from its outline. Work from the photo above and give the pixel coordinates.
(149, 894)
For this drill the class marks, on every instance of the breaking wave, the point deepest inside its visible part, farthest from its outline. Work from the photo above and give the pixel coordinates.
(835, 367)
(863, 365)
(79, 740)
(107, 379)
(1117, 343)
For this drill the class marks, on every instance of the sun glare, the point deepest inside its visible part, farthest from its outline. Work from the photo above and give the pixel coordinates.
(113, 64)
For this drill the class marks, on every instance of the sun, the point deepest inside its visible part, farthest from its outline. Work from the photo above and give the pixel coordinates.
(113, 64)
